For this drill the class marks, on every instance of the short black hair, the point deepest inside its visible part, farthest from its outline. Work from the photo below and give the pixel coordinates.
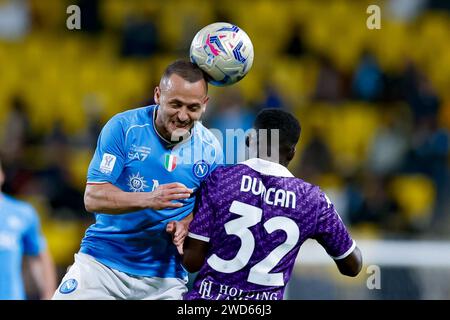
(288, 126)
(186, 70)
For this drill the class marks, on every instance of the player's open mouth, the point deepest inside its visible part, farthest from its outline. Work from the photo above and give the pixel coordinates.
(180, 125)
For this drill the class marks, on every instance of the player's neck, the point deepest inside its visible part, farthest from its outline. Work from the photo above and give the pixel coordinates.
(282, 161)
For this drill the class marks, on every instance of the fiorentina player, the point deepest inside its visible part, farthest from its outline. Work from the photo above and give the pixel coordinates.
(252, 218)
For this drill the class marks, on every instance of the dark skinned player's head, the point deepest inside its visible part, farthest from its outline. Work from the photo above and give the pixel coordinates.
(288, 129)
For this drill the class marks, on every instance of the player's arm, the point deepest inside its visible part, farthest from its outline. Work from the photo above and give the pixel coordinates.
(332, 234)
(37, 257)
(43, 273)
(194, 254)
(350, 265)
(196, 244)
(107, 198)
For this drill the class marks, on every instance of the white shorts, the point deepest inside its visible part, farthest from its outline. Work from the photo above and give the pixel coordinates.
(88, 279)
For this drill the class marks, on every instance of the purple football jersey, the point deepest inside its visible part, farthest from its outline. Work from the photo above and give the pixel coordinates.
(255, 216)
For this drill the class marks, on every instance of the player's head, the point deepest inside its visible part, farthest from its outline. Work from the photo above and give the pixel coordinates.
(182, 95)
(288, 129)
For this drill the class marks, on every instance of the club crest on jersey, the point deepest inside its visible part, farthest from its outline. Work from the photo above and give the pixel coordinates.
(68, 286)
(201, 168)
(170, 162)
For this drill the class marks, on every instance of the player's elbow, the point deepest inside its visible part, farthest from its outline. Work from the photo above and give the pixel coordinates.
(351, 266)
(89, 201)
(191, 265)
(194, 254)
(192, 259)
(352, 272)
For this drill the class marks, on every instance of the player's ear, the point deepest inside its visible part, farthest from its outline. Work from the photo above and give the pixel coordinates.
(205, 103)
(157, 94)
(291, 153)
(251, 137)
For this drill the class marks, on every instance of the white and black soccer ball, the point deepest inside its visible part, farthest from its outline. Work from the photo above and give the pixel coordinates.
(223, 51)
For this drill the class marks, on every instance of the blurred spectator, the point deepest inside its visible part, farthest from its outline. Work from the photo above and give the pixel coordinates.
(14, 19)
(87, 138)
(419, 93)
(439, 4)
(389, 147)
(369, 201)
(367, 80)
(406, 10)
(91, 21)
(55, 178)
(294, 45)
(430, 155)
(140, 36)
(273, 98)
(230, 114)
(330, 86)
(16, 132)
(316, 158)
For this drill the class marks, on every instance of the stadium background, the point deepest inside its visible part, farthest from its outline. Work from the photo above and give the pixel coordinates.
(374, 106)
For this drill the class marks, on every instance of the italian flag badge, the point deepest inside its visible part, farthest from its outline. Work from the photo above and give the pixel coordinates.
(170, 163)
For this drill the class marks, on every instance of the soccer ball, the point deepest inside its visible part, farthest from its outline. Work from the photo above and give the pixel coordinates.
(223, 51)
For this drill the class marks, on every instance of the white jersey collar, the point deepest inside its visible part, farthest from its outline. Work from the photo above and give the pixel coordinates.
(268, 167)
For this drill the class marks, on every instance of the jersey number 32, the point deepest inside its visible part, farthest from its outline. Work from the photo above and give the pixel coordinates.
(259, 273)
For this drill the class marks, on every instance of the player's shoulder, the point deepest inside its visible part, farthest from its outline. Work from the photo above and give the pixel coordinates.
(218, 174)
(313, 193)
(307, 187)
(137, 116)
(205, 135)
(20, 207)
(228, 173)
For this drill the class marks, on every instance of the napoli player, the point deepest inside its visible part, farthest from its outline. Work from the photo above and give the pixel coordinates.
(252, 219)
(20, 236)
(140, 178)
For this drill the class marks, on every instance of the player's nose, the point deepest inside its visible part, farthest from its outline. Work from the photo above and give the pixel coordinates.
(182, 116)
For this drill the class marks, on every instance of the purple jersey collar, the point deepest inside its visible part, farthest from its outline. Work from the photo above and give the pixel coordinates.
(268, 167)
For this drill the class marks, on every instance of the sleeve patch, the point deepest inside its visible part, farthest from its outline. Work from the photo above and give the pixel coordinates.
(107, 164)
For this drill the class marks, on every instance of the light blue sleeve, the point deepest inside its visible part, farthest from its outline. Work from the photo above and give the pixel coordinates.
(33, 241)
(109, 157)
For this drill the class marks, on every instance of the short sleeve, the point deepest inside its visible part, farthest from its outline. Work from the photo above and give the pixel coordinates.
(33, 240)
(109, 157)
(330, 230)
(201, 226)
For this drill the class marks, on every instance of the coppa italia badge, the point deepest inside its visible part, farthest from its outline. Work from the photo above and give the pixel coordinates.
(170, 162)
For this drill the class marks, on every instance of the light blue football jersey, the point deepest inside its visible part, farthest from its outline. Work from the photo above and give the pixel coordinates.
(132, 156)
(19, 235)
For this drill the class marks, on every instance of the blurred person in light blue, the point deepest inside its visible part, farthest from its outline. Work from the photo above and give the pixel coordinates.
(21, 241)
(231, 115)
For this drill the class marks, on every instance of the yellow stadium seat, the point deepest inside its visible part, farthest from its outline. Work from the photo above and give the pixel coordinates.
(415, 195)
(71, 231)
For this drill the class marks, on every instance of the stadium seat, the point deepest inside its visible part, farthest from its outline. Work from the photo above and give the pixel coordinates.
(415, 196)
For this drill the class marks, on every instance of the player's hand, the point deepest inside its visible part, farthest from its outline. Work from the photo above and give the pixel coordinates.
(179, 231)
(164, 194)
